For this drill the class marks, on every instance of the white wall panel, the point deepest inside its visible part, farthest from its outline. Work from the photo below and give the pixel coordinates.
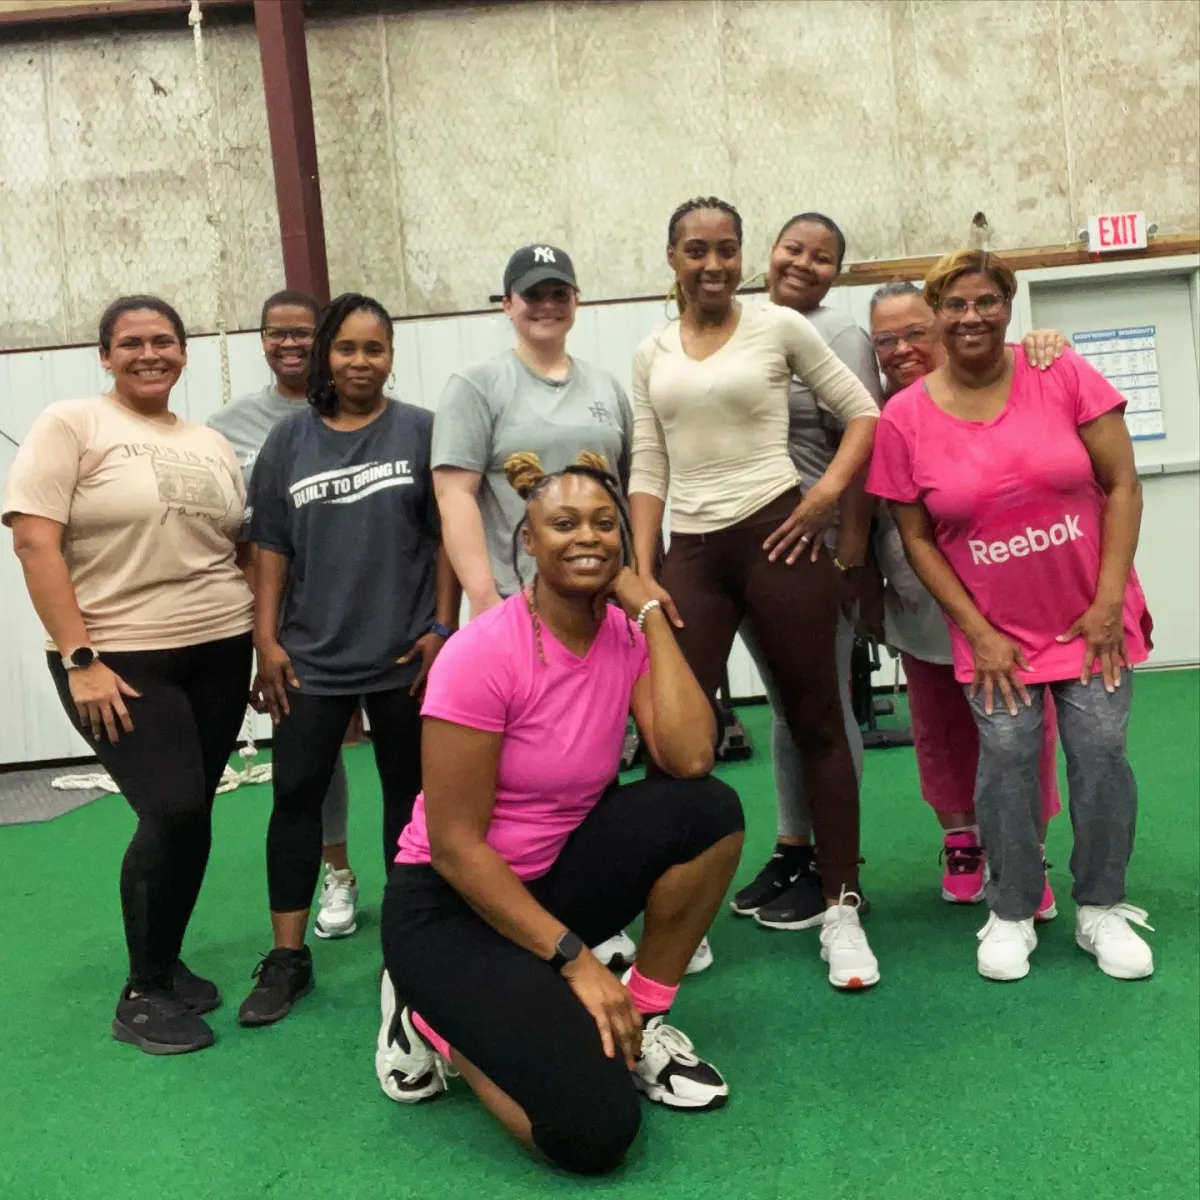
(32, 725)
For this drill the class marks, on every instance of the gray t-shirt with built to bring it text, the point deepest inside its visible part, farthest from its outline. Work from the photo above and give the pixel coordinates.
(354, 513)
(500, 407)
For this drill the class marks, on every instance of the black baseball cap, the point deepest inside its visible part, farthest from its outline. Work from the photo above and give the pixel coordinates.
(536, 264)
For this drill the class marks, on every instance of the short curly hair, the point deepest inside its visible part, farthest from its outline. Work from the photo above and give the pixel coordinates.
(958, 263)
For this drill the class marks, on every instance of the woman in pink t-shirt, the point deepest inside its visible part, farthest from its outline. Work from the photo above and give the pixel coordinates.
(523, 850)
(908, 618)
(1017, 498)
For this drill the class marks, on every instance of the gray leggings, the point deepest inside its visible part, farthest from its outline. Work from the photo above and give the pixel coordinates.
(1092, 726)
(335, 809)
(794, 819)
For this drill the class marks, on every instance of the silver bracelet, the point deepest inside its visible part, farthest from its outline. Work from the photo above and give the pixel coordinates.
(644, 612)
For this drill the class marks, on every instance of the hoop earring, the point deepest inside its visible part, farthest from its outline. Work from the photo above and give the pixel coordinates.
(391, 383)
(672, 297)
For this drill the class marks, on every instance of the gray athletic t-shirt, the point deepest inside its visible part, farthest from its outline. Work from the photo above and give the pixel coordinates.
(246, 421)
(498, 407)
(355, 513)
(813, 431)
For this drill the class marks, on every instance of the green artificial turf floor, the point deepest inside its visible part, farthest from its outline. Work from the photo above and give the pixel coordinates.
(933, 1085)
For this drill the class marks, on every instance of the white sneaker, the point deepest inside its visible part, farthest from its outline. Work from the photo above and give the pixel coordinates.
(669, 1072)
(618, 952)
(337, 916)
(701, 960)
(1105, 933)
(1005, 947)
(407, 1067)
(844, 946)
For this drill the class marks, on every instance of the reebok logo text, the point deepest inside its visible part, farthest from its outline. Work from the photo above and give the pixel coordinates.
(1032, 541)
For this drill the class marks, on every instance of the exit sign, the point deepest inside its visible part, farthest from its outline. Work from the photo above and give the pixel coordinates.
(1116, 231)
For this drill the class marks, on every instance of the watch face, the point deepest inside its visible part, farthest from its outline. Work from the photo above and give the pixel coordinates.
(83, 657)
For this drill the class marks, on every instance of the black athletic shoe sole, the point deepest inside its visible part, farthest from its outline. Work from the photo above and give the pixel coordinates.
(122, 1033)
(255, 1020)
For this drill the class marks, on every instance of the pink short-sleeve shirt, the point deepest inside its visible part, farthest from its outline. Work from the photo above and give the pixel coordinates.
(1015, 506)
(562, 726)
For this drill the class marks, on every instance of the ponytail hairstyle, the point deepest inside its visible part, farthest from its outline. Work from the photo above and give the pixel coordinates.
(322, 395)
(127, 304)
(690, 206)
(530, 481)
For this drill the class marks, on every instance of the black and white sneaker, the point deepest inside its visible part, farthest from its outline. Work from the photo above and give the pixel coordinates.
(159, 1022)
(801, 906)
(669, 1072)
(778, 874)
(409, 1070)
(281, 978)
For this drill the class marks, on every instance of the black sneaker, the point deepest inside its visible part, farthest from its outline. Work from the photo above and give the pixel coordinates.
(200, 995)
(159, 1023)
(778, 874)
(283, 976)
(802, 906)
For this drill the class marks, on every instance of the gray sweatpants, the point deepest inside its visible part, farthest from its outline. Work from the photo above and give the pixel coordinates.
(794, 819)
(1092, 725)
(335, 816)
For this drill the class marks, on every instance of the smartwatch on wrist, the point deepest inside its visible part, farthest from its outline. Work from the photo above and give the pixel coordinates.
(80, 657)
(566, 950)
(443, 631)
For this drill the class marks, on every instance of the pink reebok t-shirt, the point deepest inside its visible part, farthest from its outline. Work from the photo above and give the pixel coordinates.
(1015, 506)
(562, 725)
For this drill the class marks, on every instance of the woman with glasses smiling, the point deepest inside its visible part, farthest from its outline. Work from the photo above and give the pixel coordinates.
(909, 620)
(1018, 502)
(289, 320)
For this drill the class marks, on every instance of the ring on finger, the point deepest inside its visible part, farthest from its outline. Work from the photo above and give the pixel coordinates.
(805, 538)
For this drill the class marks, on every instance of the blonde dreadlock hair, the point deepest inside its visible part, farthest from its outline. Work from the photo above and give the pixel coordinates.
(528, 478)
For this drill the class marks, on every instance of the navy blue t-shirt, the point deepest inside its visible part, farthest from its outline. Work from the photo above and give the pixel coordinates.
(355, 513)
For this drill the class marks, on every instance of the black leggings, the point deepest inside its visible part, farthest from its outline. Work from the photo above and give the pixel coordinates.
(716, 580)
(307, 744)
(507, 1010)
(185, 725)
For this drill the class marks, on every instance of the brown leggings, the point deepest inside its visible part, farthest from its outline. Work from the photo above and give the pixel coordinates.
(716, 579)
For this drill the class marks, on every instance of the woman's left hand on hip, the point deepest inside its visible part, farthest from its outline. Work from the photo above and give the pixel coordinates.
(806, 527)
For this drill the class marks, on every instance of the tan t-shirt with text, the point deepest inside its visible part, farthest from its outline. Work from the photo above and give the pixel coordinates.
(150, 510)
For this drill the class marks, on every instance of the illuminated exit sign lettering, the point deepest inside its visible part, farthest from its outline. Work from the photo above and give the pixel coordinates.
(1116, 231)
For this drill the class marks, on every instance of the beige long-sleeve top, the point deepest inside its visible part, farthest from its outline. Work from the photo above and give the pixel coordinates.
(713, 434)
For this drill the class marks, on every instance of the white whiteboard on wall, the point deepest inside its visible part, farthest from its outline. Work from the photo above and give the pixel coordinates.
(1161, 294)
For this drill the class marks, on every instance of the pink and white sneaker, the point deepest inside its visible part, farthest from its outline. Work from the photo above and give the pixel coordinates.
(1047, 910)
(966, 871)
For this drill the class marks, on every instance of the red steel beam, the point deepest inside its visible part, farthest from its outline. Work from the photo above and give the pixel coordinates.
(281, 46)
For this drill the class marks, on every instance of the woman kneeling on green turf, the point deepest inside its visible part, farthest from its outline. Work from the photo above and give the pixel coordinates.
(523, 850)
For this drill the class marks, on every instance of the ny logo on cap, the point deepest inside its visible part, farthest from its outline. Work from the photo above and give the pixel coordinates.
(543, 254)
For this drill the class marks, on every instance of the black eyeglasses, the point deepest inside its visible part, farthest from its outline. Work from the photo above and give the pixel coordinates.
(276, 336)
